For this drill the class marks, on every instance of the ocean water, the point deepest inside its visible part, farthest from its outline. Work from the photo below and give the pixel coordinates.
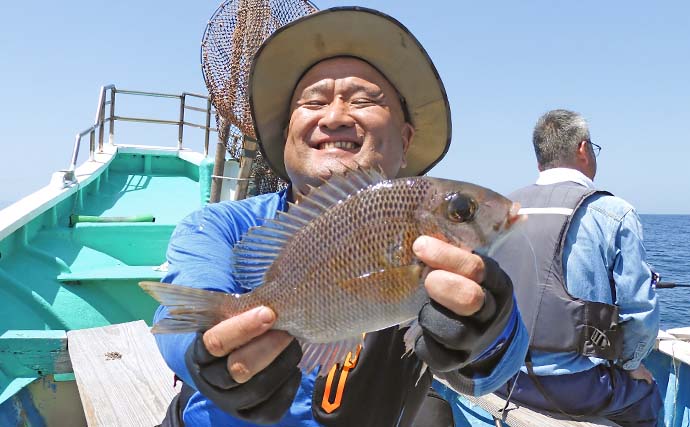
(667, 240)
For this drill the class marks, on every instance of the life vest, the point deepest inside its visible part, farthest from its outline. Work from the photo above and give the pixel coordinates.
(557, 321)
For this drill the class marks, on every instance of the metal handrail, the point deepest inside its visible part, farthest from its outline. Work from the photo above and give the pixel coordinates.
(101, 120)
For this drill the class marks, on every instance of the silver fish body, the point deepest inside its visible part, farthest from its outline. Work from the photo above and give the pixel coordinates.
(340, 263)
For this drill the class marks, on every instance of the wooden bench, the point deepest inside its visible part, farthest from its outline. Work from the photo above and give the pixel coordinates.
(121, 376)
(521, 416)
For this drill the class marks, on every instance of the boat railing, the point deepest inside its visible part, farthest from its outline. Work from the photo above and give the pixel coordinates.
(107, 98)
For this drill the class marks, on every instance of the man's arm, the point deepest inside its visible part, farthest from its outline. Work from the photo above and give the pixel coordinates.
(639, 311)
(246, 369)
(473, 334)
(198, 256)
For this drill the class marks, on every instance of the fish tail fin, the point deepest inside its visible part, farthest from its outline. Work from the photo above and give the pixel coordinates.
(190, 309)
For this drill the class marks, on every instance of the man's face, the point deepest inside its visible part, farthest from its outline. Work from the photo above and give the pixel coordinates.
(589, 160)
(593, 166)
(344, 113)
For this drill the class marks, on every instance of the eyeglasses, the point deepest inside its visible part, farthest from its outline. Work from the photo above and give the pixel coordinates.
(595, 148)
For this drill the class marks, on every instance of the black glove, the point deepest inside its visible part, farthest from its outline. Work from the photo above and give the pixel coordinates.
(451, 342)
(263, 399)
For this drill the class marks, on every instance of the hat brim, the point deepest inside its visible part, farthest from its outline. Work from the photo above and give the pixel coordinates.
(349, 31)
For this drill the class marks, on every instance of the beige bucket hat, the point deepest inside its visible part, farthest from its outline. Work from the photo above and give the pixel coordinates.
(349, 31)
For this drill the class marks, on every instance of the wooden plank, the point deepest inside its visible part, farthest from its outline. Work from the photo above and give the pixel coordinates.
(122, 378)
(34, 353)
(522, 416)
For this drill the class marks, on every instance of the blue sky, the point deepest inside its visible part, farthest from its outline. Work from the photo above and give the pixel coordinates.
(625, 65)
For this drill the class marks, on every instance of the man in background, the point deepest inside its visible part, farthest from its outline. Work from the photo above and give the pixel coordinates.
(596, 316)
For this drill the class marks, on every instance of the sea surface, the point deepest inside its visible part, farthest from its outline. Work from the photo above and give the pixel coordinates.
(667, 240)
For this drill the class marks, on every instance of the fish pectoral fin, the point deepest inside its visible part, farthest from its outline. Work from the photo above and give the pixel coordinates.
(392, 284)
(326, 355)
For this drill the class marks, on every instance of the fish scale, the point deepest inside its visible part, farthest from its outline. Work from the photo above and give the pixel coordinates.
(347, 253)
(342, 260)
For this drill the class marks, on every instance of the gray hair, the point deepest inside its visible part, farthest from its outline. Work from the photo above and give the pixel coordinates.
(556, 137)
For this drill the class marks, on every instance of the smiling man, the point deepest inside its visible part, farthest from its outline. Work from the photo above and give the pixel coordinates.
(341, 88)
(344, 112)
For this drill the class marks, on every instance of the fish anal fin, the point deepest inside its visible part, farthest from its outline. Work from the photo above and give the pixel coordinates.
(325, 355)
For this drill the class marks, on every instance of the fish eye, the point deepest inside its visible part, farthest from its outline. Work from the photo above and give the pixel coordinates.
(461, 208)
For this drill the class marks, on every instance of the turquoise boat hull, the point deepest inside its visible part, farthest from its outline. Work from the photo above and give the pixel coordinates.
(55, 277)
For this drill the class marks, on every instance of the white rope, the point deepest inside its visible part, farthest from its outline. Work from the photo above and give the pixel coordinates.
(676, 364)
(545, 211)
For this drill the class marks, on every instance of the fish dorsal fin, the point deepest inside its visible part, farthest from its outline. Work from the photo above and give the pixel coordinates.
(257, 250)
(334, 190)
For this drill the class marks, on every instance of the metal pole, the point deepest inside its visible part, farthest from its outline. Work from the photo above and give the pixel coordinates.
(208, 126)
(249, 148)
(92, 144)
(111, 138)
(75, 153)
(181, 128)
(101, 122)
(219, 163)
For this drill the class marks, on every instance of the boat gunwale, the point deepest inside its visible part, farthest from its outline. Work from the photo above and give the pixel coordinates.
(22, 212)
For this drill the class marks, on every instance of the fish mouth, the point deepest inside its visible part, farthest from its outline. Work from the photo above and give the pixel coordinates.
(340, 145)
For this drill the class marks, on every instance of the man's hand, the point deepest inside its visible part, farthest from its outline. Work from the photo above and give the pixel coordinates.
(471, 304)
(245, 368)
(642, 373)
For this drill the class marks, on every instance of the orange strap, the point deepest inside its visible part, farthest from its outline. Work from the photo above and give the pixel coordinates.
(349, 365)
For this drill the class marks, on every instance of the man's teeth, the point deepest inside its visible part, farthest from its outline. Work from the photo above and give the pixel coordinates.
(347, 145)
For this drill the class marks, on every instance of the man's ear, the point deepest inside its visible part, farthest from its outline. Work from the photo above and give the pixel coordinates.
(407, 133)
(582, 155)
(581, 149)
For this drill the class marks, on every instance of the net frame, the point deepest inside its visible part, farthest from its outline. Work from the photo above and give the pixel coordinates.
(231, 38)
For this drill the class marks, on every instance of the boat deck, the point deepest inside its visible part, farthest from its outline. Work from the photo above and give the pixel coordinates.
(166, 187)
(57, 276)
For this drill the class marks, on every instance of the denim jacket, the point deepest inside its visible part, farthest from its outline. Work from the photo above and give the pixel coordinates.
(604, 260)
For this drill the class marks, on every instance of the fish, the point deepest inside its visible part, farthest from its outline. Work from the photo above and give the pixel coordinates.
(339, 263)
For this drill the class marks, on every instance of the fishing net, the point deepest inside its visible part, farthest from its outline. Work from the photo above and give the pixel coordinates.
(232, 37)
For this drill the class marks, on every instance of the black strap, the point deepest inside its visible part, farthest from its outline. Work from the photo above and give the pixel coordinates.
(435, 411)
(173, 416)
(547, 396)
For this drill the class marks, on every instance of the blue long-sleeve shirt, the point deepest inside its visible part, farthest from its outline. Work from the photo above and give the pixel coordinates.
(604, 260)
(200, 255)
